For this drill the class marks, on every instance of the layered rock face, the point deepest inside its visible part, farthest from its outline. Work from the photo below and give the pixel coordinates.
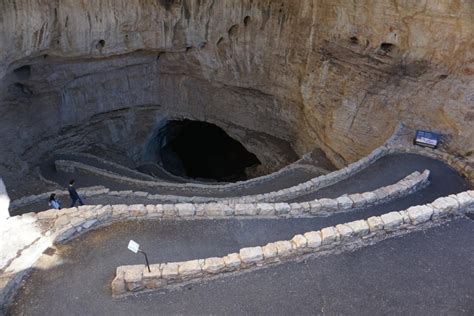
(282, 77)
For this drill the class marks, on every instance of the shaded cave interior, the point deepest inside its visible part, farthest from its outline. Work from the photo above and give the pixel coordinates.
(201, 150)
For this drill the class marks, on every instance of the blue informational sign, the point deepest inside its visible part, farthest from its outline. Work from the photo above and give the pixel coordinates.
(427, 139)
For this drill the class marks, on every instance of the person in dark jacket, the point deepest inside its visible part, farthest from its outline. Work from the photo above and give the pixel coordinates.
(74, 195)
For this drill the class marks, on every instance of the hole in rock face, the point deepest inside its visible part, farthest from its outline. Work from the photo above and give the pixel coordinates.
(202, 150)
(23, 72)
(354, 40)
(100, 44)
(386, 48)
(246, 20)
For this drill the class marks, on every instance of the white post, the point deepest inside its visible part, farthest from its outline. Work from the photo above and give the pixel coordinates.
(4, 202)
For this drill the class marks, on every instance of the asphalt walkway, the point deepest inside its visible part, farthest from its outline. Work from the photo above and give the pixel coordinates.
(385, 171)
(430, 272)
(423, 273)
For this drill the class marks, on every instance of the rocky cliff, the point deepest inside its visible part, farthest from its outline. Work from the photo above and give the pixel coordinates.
(335, 74)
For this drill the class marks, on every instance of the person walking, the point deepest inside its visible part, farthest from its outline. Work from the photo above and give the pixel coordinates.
(54, 202)
(74, 195)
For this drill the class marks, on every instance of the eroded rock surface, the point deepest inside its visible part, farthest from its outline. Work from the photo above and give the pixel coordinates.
(332, 74)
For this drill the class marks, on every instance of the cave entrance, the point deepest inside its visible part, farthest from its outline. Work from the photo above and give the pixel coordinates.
(201, 150)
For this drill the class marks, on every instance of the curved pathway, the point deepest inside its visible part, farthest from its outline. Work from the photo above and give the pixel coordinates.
(417, 273)
(385, 171)
(424, 273)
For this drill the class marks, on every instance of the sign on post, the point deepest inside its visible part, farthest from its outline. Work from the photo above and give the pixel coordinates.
(426, 139)
(133, 246)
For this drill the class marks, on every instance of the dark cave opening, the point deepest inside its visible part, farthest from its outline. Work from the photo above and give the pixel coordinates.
(201, 150)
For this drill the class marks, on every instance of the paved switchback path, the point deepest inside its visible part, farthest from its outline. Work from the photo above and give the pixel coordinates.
(421, 273)
(387, 170)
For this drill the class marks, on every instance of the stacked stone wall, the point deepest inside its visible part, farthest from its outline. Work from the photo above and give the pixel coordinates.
(137, 278)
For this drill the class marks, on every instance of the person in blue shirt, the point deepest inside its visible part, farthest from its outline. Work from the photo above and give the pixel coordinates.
(74, 195)
(54, 202)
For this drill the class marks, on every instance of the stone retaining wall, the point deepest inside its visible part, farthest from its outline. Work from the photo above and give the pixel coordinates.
(230, 186)
(280, 195)
(409, 184)
(284, 194)
(41, 230)
(225, 186)
(46, 228)
(395, 144)
(137, 278)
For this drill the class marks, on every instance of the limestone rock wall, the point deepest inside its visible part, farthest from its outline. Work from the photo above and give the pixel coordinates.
(332, 73)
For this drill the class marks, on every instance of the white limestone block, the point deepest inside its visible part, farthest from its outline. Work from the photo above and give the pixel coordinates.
(247, 209)
(218, 210)
(169, 271)
(329, 235)
(313, 239)
(153, 279)
(104, 211)
(370, 197)
(137, 210)
(375, 224)
(232, 261)
(315, 207)
(133, 277)
(169, 210)
(444, 206)
(284, 248)
(299, 242)
(391, 221)
(344, 202)
(265, 209)
(420, 214)
(189, 269)
(120, 211)
(344, 231)
(360, 227)
(406, 218)
(185, 209)
(49, 214)
(465, 200)
(358, 199)
(381, 194)
(251, 255)
(270, 251)
(328, 204)
(213, 265)
(282, 208)
(296, 209)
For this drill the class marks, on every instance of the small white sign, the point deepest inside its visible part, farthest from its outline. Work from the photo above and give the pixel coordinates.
(133, 246)
(427, 141)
